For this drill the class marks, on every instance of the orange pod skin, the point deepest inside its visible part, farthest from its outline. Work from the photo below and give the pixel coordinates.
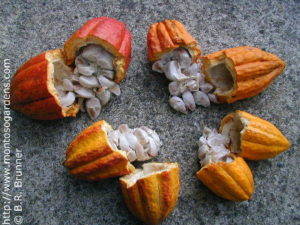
(154, 197)
(168, 35)
(232, 181)
(91, 157)
(260, 139)
(107, 32)
(32, 89)
(252, 70)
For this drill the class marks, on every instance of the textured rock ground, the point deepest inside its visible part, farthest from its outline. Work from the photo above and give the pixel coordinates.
(52, 197)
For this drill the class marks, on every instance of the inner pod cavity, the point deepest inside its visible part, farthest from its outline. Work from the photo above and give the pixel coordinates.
(221, 78)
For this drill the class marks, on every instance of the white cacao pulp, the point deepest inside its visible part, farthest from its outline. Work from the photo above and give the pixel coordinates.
(213, 147)
(148, 169)
(92, 81)
(187, 87)
(140, 144)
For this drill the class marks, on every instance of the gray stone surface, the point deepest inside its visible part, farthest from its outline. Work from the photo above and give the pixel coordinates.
(52, 197)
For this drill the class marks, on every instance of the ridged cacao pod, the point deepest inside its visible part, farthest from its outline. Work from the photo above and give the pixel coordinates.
(258, 138)
(151, 194)
(91, 157)
(168, 35)
(109, 33)
(241, 72)
(32, 87)
(232, 181)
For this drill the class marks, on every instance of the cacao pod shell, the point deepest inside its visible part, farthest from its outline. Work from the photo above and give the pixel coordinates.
(168, 35)
(91, 157)
(153, 197)
(232, 181)
(109, 33)
(251, 71)
(32, 88)
(259, 138)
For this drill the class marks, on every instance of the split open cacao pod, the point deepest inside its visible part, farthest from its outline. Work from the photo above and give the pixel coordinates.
(90, 156)
(33, 87)
(151, 193)
(257, 138)
(241, 72)
(110, 34)
(241, 135)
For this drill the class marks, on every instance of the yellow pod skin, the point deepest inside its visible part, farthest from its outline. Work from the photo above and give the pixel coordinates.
(151, 194)
(91, 157)
(232, 181)
(258, 138)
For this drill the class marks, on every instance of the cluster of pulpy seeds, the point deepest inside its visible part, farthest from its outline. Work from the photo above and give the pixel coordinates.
(139, 144)
(92, 81)
(213, 147)
(187, 87)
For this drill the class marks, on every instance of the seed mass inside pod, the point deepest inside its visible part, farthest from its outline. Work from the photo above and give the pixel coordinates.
(213, 147)
(93, 74)
(140, 144)
(186, 81)
(217, 147)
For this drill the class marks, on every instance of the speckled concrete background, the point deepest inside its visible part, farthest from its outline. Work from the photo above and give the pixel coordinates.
(52, 197)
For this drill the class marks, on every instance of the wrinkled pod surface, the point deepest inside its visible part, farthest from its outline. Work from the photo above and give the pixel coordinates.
(91, 84)
(100, 152)
(151, 193)
(229, 75)
(240, 72)
(221, 153)
(244, 135)
(223, 173)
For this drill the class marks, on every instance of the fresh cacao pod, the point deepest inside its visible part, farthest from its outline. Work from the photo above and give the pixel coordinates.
(33, 91)
(168, 35)
(257, 138)
(240, 72)
(232, 181)
(33, 88)
(151, 194)
(109, 33)
(90, 155)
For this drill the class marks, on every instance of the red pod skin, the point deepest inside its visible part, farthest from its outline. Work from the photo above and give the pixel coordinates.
(32, 88)
(107, 32)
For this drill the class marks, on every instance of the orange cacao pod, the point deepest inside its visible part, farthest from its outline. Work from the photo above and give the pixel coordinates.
(151, 194)
(232, 181)
(241, 72)
(258, 138)
(168, 35)
(90, 155)
(32, 87)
